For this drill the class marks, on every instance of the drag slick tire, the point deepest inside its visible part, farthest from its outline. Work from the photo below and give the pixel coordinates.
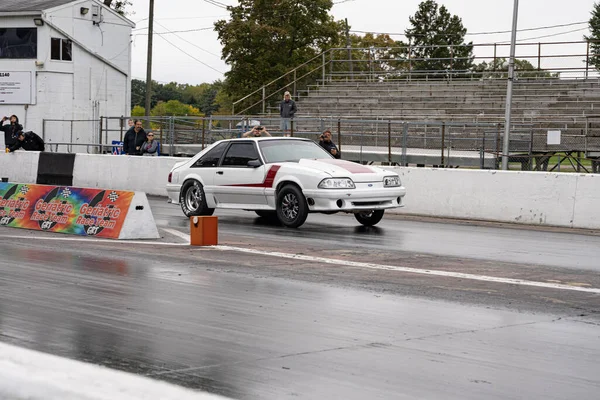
(292, 209)
(193, 200)
(369, 218)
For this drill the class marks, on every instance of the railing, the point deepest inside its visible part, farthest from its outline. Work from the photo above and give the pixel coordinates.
(547, 60)
(432, 143)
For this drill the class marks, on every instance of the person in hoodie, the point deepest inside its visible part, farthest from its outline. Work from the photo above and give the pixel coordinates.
(134, 139)
(10, 130)
(28, 141)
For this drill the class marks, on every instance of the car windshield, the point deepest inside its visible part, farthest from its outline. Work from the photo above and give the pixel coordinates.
(291, 150)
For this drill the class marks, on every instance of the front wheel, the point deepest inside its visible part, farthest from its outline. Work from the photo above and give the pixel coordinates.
(369, 218)
(292, 209)
(192, 199)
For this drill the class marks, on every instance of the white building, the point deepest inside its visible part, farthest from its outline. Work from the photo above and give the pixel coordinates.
(64, 60)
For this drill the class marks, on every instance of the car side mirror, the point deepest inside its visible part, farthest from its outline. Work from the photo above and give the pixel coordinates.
(254, 163)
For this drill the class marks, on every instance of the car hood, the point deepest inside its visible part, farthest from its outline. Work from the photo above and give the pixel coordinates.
(343, 168)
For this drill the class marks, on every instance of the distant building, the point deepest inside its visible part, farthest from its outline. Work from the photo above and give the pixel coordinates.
(64, 60)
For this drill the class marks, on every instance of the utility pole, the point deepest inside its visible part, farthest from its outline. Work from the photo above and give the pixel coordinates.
(149, 64)
(509, 88)
(349, 47)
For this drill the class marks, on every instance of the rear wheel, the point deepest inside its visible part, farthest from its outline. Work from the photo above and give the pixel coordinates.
(292, 209)
(192, 199)
(369, 218)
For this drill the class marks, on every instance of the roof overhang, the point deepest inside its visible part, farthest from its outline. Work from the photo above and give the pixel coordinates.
(20, 13)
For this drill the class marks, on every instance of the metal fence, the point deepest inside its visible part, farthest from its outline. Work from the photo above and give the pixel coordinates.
(446, 144)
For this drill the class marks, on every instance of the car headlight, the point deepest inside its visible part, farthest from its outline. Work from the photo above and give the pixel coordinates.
(336, 183)
(391, 181)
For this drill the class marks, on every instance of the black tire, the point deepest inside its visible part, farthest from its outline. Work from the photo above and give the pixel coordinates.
(193, 200)
(369, 218)
(266, 214)
(292, 209)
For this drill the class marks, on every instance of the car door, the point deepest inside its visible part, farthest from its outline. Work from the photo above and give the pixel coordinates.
(237, 184)
(204, 168)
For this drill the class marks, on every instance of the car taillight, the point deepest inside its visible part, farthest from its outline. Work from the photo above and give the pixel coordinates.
(170, 177)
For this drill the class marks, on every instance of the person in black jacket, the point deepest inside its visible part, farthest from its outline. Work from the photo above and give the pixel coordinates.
(10, 130)
(134, 139)
(326, 143)
(28, 141)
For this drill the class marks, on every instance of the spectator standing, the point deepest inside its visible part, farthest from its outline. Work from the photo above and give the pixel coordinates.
(287, 109)
(257, 131)
(150, 146)
(28, 141)
(10, 130)
(326, 143)
(134, 138)
(129, 123)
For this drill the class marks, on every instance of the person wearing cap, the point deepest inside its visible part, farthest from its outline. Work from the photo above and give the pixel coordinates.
(10, 130)
(326, 143)
(28, 141)
(287, 109)
(257, 131)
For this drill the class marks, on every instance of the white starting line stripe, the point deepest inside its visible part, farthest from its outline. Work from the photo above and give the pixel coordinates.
(449, 274)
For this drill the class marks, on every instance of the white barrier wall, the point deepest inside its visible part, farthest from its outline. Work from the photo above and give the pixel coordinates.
(20, 166)
(539, 198)
(144, 174)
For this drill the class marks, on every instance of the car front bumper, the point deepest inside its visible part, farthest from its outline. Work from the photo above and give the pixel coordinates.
(354, 199)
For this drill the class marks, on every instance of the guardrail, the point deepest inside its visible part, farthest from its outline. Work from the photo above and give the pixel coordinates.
(391, 141)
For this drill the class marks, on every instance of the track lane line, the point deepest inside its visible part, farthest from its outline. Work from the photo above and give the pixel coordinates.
(448, 274)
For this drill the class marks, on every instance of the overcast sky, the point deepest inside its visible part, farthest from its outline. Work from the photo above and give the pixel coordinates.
(203, 63)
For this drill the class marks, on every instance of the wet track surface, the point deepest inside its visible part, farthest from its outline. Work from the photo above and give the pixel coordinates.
(259, 326)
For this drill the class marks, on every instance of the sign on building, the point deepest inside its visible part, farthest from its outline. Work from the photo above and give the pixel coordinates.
(15, 87)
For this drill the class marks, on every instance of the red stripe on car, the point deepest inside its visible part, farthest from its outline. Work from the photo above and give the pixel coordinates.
(267, 183)
(348, 166)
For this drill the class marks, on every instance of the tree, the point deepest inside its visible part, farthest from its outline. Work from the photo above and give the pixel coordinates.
(437, 41)
(118, 5)
(263, 39)
(594, 38)
(498, 69)
(174, 108)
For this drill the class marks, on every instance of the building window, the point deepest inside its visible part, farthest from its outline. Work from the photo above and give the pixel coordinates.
(60, 49)
(18, 42)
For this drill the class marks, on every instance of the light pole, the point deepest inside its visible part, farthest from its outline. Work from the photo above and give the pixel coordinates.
(509, 88)
(149, 64)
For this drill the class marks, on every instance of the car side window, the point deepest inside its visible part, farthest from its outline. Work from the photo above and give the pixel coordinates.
(239, 154)
(211, 158)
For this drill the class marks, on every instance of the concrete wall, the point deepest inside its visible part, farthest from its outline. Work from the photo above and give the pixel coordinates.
(538, 198)
(144, 174)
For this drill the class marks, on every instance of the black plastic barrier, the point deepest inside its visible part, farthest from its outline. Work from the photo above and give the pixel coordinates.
(55, 169)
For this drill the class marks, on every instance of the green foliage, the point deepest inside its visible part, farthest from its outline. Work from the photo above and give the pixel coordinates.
(204, 97)
(594, 38)
(138, 111)
(263, 39)
(174, 108)
(437, 41)
(498, 68)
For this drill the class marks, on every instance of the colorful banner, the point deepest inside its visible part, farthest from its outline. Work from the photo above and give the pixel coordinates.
(64, 209)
